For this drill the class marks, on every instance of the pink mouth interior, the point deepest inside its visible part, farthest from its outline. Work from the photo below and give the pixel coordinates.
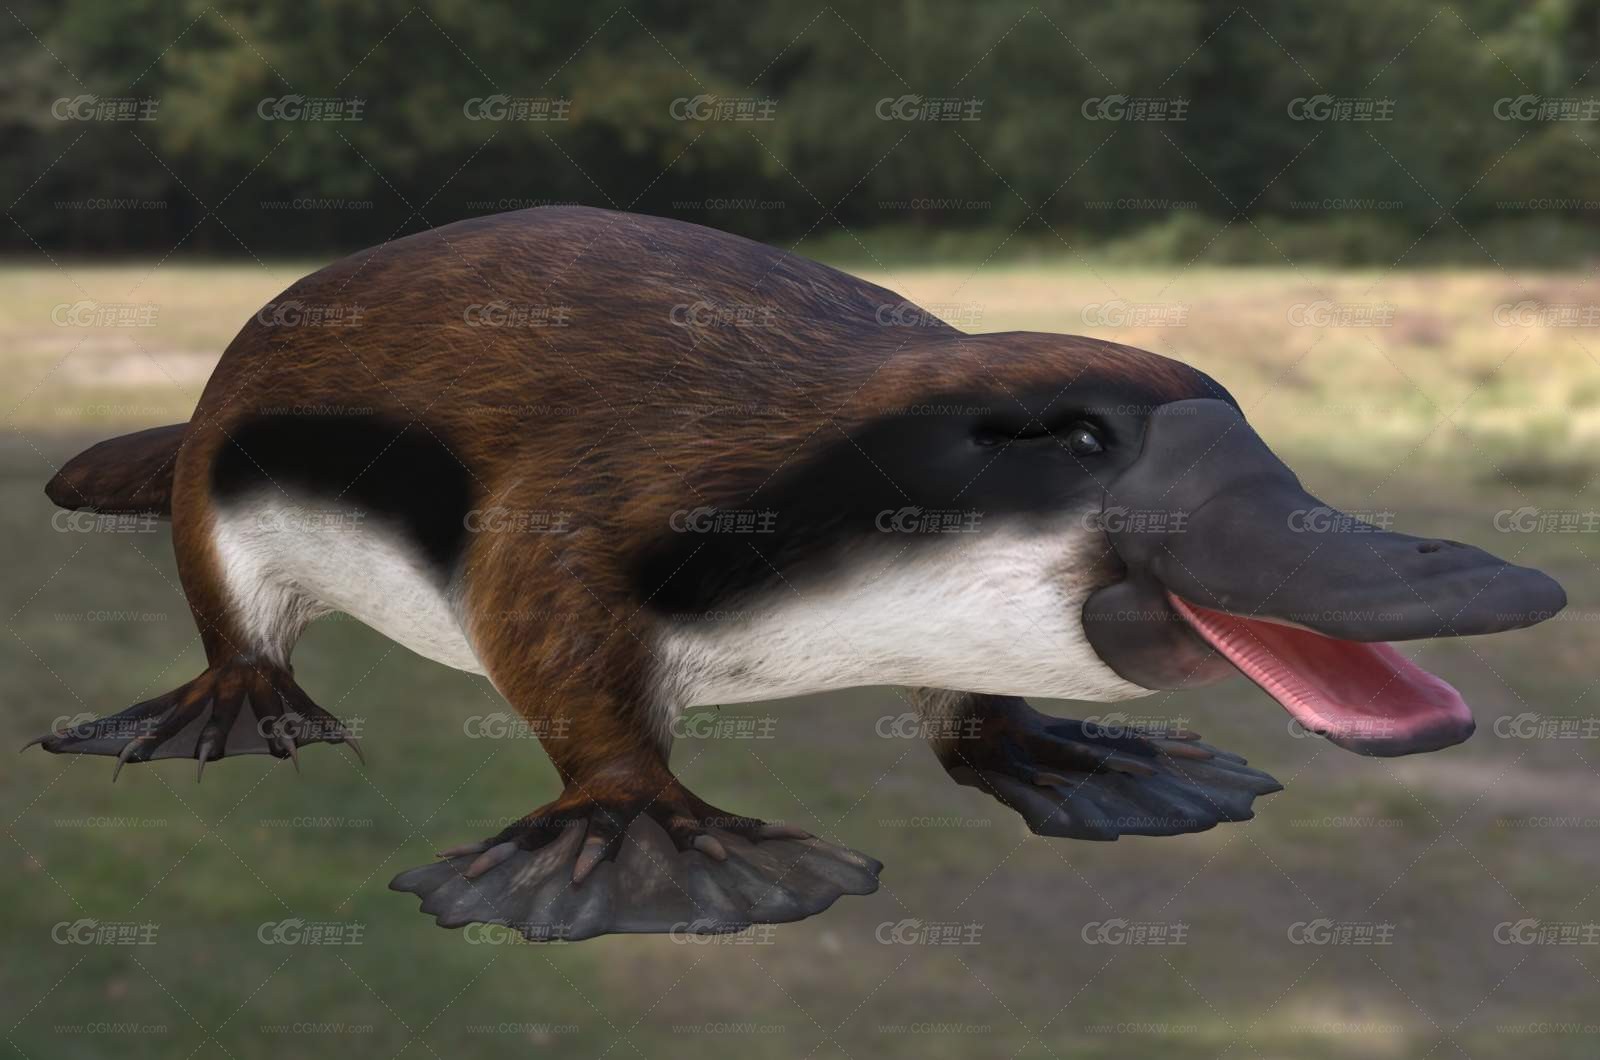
(1365, 696)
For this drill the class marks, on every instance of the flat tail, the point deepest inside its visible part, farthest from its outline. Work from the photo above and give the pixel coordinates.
(132, 473)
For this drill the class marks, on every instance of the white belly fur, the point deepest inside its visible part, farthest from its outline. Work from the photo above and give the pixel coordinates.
(285, 562)
(997, 612)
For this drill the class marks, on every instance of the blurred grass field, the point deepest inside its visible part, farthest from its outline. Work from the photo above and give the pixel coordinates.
(1455, 410)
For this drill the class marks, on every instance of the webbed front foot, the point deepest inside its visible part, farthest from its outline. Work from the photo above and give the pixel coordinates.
(585, 866)
(1082, 781)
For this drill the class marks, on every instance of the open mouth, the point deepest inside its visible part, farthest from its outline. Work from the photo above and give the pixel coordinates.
(1305, 598)
(1364, 696)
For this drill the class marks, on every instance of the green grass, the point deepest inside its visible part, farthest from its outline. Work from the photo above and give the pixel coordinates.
(1430, 845)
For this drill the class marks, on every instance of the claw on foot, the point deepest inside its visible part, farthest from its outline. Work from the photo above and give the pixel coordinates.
(1065, 780)
(708, 845)
(576, 873)
(490, 858)
(232, 709)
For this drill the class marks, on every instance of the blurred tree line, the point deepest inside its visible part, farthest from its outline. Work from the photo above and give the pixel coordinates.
(1352, 129)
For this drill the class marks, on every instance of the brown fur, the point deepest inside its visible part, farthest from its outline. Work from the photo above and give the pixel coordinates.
(132, 473)
(610, 418)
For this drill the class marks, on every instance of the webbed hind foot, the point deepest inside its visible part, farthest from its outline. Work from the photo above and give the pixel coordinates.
(233, 709)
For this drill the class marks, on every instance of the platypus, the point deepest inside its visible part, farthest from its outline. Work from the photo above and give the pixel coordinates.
(625, 466)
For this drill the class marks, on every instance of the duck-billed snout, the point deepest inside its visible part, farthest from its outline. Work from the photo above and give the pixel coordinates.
(1246, 538)
(1295, 594)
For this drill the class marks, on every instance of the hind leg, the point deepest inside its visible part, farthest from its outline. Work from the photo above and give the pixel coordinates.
(245, 702)
(627, 848)
(1087, 781)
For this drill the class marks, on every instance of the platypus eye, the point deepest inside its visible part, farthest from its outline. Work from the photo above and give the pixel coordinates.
(1083, 441)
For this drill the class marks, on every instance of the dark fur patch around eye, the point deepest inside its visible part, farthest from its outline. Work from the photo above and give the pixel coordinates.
(901, 482)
